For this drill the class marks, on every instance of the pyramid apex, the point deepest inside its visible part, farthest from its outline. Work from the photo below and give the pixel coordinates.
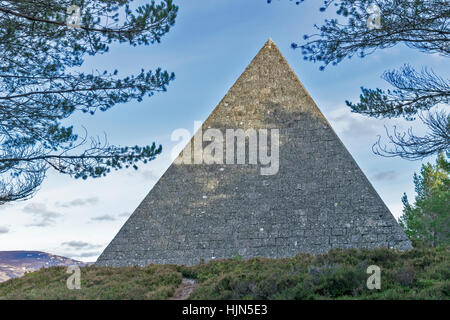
(269, 43)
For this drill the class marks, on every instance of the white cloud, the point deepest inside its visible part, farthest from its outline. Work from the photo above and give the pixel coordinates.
(75, 244)
(387, 175)
(351, 124)
(4, 229)
(125, 214)
(79, 202)
(80, 245)
(87, 254)
(106, 217)
(43, 216)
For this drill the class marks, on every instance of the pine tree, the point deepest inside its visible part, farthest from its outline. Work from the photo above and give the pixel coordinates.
(427, 221)
(363, 27)
(42, 45)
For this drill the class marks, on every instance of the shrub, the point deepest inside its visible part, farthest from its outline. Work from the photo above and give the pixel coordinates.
(339, 274)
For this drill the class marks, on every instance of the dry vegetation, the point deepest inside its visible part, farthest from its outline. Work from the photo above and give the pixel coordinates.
(340, 274)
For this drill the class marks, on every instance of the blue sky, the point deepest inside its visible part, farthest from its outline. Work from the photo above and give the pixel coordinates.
(208, 48)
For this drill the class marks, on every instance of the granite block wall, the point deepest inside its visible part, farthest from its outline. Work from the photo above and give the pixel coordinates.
(319, 199)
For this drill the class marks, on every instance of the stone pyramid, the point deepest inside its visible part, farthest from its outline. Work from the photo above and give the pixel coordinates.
(317, 200)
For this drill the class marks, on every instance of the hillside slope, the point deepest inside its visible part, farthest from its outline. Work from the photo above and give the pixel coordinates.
(340, 274)
(14, 264)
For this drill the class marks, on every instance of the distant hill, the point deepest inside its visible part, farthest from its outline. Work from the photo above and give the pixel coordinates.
(14, 264)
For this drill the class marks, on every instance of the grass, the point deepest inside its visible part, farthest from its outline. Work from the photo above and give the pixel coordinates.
(152, 282)
(339, 274)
